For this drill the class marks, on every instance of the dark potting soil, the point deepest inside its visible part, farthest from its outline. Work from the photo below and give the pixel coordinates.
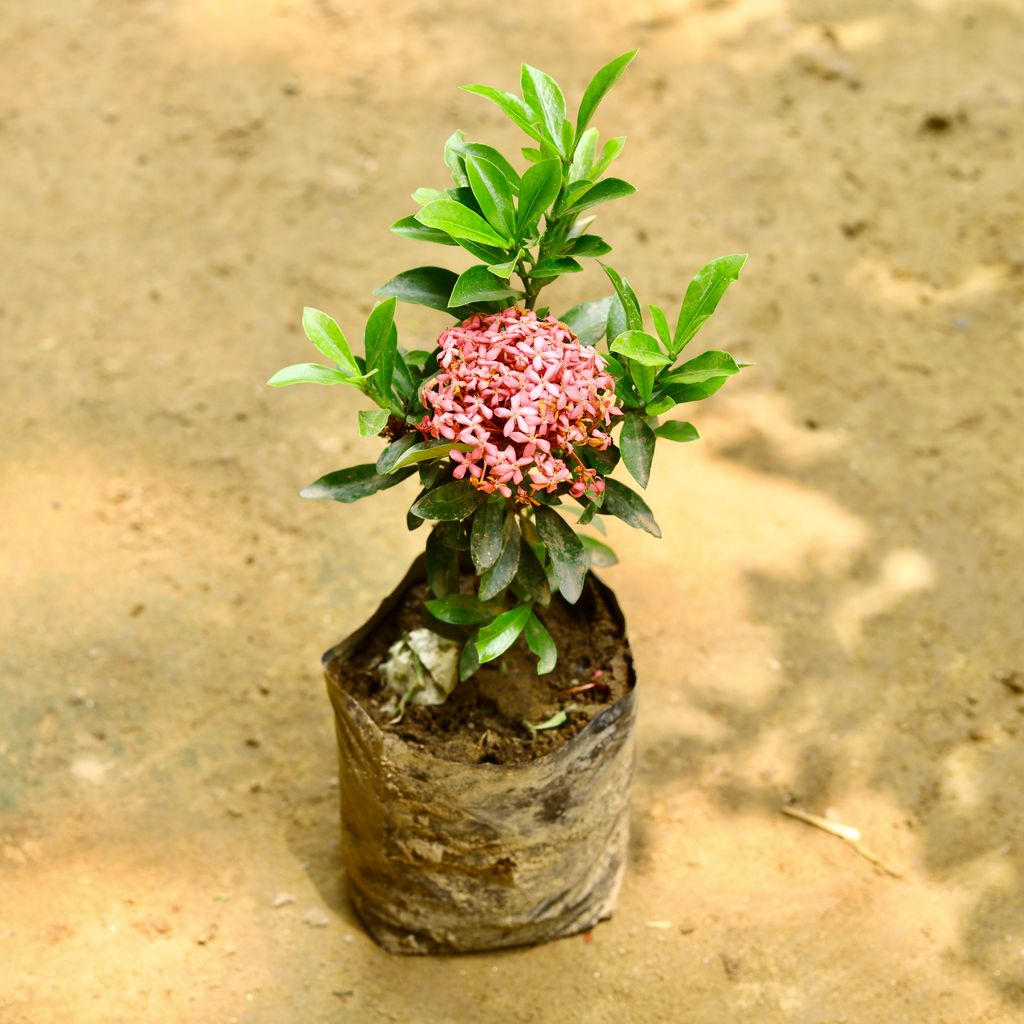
(484, 719)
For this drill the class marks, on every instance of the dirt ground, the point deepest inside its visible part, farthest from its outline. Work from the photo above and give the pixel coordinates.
(833, 619)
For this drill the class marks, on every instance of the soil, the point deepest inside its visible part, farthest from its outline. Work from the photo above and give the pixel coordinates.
(485, 718)
(832, 620)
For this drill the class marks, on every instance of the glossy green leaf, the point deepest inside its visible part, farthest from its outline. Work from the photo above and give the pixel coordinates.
(459, 610)
(539, 640)
(425, 451)
(617, 322)
(555, 267)
(422, 196)
(539, 190)
(394, 451)
(641, 347)
(489, 153)
(494, 639)
(513, 107)
(600, 554)
(327, 336)
(381, 341)
(308, 373)
(373, 422)
(545, 101)
(598, 88)
(351, 484)
(627, 505)
(531, 579)
(630, 303)
(681, 393)
(677, 430)
(495, 579)
(661, 326)
(565, 551)
(453, 158)
(660, 406)
(588, 320)
(422, 286)
(460, 222)
(486, 536)
(637, 442)
(583, 156)
(703, 295)
(532, 153)
(478, 284)
(410, 227)
(602, 192)
(469, 661)
(706, 366)
(504, 270)
(558, 719)
(442, 564)
(588, 245)
(456, 499)
(612, 148)
(493, 193)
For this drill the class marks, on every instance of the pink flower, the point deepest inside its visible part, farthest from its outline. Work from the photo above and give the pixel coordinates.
(525, 393)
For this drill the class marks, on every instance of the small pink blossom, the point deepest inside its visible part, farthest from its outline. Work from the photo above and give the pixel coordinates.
(525, 393)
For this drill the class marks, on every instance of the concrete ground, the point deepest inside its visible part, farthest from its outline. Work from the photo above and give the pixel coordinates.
(833, 620)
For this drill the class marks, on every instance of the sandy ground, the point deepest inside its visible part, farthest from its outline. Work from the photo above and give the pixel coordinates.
(834, 617)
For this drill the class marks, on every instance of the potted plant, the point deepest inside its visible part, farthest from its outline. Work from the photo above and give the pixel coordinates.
(485, 712)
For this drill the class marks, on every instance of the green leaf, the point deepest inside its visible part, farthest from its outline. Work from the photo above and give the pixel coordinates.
(495, 579)
(469, 661)
(485, 539)
(628, 506)
(559, 718)
(541, 183)
(555, 267)
(706, 366)
(630, 303)
(602, 192)
(422, 196)
(410, 227)
(456, 499)
(680, 393)
(489, 153)
(328, 338)
(545, 101)
(637, 442)
(565, 550)
(478, 284)
(583, 156)
(703, 295)
(531, 578)
(599, 86)
(459, 610)
(532, 153)
(514, 108)
(453, 159)
(588, 320)
(641, 347)
(460, 222)
(661, 326)
(498, 636)
(373, 422)
(394, 451)
(308, 373)
(600, 554)
(504, 270)
(424, 451)
(351, 484)
(677, 430)
(381, 340)
(588, 245)
(422, 286)
(643, 377)
(661, 406)
(442, 565)
(539, 640)
(493, 193)
(612, 148)
(453, 534)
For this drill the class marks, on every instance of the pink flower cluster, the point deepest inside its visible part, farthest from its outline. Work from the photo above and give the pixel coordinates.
(523, 392)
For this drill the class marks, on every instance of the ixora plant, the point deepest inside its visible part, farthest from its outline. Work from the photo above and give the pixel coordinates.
(513, 423)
